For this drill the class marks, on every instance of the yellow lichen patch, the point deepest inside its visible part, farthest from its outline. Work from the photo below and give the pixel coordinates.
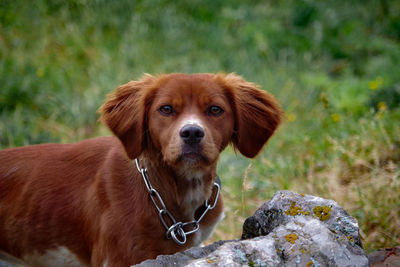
(304, 251)
(309, 264)
(294, 210)
(322, 212)
(291, 238)
(210, 261)
(351, 239)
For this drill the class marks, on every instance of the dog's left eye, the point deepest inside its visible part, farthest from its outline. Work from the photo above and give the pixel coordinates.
(166, 110)
(215, 111)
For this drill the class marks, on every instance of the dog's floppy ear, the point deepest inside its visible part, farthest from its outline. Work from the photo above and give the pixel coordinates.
(124, 114)
(257, 113)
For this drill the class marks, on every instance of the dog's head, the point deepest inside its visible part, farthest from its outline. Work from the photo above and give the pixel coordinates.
(190, 119)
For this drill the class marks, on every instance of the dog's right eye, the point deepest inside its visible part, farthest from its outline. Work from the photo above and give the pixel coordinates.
(166, 110)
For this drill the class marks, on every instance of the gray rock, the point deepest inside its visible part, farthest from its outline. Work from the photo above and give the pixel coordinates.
(6, 264)
(308, 228)
(285, 206)
(288, 230)
(255, 252)
(182, 258)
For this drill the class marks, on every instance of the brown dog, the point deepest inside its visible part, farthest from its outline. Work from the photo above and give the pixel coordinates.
(88, 204)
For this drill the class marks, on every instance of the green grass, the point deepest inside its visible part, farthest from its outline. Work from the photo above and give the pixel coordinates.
(332, 64)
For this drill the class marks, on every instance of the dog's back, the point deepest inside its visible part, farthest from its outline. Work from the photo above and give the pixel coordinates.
(41, 192)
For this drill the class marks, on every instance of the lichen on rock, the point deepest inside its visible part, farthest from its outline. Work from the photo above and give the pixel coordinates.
(291, 238)
(322, 212)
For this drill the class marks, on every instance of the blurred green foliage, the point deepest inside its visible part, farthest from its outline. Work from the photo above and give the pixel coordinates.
(334, 66)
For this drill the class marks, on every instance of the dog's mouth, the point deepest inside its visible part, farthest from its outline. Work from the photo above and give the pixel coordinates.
(192, 154)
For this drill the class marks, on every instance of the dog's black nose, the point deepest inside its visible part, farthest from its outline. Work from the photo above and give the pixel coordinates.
(192, 134)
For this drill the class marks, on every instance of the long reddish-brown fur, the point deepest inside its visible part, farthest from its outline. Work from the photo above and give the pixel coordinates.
(89, 199)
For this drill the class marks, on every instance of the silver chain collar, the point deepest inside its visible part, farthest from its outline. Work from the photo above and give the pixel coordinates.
(175, 231)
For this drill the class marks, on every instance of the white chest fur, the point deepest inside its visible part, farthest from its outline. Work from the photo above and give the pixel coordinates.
(195, 196)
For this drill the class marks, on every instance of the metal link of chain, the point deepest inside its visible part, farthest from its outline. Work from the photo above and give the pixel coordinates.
(175, 231)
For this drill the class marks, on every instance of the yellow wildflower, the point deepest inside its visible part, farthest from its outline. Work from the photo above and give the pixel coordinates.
(335, 117)
(382, 106)
(291, 117)
(40, 72)
(375, 84)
